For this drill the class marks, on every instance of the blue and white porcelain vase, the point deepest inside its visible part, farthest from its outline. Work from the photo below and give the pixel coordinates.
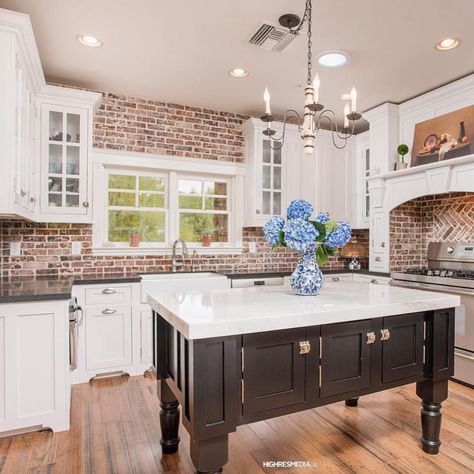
(307, 279)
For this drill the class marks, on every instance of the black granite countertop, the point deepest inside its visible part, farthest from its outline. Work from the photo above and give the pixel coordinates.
(46, 288)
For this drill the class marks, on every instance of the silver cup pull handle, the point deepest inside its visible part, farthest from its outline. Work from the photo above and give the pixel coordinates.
(109, 291)
(109, 311)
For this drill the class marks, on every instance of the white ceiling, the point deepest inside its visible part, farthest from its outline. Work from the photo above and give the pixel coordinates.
(181, 50)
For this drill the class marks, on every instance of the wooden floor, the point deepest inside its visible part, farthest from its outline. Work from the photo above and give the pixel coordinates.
(115, 429)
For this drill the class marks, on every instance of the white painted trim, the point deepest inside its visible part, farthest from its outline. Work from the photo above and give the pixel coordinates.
(131, 160)
(124, 251)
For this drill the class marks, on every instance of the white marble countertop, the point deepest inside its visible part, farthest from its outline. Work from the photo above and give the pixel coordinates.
(203, 314)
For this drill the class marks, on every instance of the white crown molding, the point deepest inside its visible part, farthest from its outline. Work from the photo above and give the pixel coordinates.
(70, 95)
(381, 111)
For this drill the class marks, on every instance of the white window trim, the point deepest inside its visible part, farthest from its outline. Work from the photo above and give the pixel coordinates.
(174, 168)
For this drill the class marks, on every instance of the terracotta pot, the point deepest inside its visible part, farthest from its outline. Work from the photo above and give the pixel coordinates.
(206, 240)
(134, 239)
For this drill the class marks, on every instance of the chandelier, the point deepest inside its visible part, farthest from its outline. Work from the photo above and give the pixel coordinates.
(314, 112)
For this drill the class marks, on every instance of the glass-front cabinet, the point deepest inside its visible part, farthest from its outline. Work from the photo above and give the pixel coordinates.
(271, 181)
(64, 160)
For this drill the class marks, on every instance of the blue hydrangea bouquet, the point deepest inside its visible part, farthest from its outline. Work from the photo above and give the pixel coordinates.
(316, 240)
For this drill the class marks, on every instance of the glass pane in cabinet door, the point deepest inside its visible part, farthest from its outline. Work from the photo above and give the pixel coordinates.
(276, 177)
(367, 206)
(267, 152)
(266, 177)
(277, 154)
(55, 200)
(73, 128)
(72, 185)
(72, 200)
(72, 160)
(277, 203)
(56, 126)
(55, 159)
(55, 185)
(266, 199)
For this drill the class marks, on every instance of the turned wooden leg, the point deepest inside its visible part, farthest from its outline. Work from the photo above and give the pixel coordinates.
(432, 394)
(352, 402)
(169, 419)
(210, 455)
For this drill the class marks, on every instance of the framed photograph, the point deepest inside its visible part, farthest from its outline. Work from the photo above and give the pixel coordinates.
(443, 138)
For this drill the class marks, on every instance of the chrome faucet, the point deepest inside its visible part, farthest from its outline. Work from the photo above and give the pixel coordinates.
(184, 253)
(193, 260)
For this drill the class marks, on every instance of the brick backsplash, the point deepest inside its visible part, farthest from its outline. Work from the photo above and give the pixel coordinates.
(437, 218)
(136, 125)
(46, 250)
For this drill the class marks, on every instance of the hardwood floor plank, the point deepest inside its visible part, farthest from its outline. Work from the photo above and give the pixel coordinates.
(115, 429)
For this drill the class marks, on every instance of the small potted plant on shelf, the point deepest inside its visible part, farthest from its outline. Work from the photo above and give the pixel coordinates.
(135, 235)
(206, 238)
(402, 150)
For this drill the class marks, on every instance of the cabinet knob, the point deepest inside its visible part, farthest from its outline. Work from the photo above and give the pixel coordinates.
(385, 334)
(85, 203)
(305, 347)
(374, 281)
(258, 211)
(370, 337)
(335, 279)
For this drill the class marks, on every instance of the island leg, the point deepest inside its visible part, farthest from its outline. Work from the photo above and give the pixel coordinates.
(169, 419)
(432, 394)
(210, 455)
(352, 402)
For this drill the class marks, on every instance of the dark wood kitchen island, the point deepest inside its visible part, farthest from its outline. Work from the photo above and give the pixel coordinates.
(231, 357)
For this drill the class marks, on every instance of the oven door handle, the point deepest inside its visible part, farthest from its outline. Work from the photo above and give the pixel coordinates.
(443, 289)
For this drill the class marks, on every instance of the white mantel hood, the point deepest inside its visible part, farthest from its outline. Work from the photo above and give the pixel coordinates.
(389, 190)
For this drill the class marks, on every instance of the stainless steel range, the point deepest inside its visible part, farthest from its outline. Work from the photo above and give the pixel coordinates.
(450, 270)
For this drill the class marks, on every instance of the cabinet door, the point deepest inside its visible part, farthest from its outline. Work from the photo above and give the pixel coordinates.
(2, 368)
(345, 357)
(64, 160)
(274, 370)
(271, 179)
(402, 352)
(146, 336)
(108, 337)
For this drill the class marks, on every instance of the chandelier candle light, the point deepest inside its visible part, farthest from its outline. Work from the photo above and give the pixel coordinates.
(314, 112)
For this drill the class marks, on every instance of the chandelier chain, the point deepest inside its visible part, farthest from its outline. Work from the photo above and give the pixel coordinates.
(310, 44)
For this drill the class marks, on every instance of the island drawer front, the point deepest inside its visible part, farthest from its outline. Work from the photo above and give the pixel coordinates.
(345, 357)
(402, 352)
(274, 370)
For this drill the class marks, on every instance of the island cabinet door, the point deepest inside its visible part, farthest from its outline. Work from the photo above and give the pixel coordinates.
(273, 370)
(345, 357)
(402, 347)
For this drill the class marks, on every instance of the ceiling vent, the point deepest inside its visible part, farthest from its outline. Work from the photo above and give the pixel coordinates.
(271, 38)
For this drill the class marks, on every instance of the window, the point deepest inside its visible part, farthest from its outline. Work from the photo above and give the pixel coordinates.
(136, 203)
(203, 210)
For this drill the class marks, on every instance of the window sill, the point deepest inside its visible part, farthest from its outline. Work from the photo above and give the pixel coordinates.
(131, 251)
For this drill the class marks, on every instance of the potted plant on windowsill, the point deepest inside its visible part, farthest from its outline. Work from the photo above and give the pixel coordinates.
(135, 236)
(206, 238)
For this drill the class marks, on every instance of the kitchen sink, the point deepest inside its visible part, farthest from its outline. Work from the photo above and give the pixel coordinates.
(153, 283)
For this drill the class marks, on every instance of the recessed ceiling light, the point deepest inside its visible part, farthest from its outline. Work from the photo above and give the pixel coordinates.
(88, 40)
(447, 44)
(238, 72)
(333, 58)
(345, 96)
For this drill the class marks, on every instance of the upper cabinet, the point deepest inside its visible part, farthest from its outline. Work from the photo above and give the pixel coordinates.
(45, 134)
(65, 147)
(333, 180)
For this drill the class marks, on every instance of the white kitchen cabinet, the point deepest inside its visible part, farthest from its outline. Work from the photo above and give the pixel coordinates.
(146, 336)
(34, 366)
(360, 198)
(18, 128)
(379, 241)
(66, 144)
(108, 337)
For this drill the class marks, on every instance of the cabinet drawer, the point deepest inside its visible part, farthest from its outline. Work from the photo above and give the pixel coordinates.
(108, 338)
(402, 351)
(274, 370)
(108, 294)
(345, 357)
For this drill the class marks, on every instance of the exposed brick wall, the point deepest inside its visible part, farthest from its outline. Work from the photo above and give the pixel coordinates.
(136, 125)
(438, 218)
(46, 250)
(146, 126)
